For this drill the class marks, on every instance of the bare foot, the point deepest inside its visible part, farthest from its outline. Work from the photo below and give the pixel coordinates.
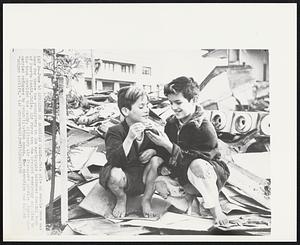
(219, 217)
(189, 198)
(147, 210)
(120, 208)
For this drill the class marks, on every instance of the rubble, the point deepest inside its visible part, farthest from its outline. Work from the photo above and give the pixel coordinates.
(245, 198)
(101, 202)
(100, 226)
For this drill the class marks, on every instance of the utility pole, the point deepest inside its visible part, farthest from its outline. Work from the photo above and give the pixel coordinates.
(61, 71)
(54, 102)
(63, 150)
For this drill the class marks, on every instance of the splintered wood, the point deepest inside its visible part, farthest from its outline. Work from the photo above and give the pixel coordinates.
(247, 192)
(175, 221)
(252, 185)
(245, 199)
(101, 226)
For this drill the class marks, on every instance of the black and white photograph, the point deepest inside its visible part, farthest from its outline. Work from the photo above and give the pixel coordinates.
(203, 167)
(150, 122)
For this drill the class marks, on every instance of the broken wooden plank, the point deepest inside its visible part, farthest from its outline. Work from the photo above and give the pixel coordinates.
(97, 158)
(97, 141)
(101, 202)
(197, 209)
(75, 177)
(74, 113)
(75, 196)
(228, 207)
(250, 227)
(249, 203)
(128, 231)
(254, 186)
(91, 226)
(101, 226)
(175, 221)
(95, 161)
(97, 98)
(68, 231)
(229, 193)
(79, 156)
(86, 187)
(256, 163)
(73, 126)
(57, 191)
(77, 212)
(91, 102)
(88, 174)
(240, 198)
(78, 135)
(244, 223)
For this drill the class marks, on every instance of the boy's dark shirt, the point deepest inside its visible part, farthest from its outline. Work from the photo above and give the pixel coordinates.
(197, 138)
(115, 154)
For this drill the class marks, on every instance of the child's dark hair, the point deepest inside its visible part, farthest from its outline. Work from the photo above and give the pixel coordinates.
(128, 95)
(187, 86)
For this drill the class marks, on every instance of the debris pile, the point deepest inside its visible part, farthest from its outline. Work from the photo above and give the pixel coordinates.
(245, 197)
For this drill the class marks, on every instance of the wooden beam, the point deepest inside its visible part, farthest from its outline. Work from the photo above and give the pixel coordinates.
(253, 186)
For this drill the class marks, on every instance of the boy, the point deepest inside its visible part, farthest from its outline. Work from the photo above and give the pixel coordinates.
(191, 151)
(132, 162)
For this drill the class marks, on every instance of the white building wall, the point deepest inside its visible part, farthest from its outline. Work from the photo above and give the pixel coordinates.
(131, 72)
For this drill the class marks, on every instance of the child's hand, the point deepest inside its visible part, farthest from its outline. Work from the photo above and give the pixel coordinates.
(136, 130)
(161, 139)
(165, 171)
(146, 155)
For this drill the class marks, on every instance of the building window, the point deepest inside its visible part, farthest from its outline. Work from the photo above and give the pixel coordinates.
(146, 70)
(127, 68)
(265, 72)
(123, 68)
(124, 85)
(237, 55)
(108, 86)
(108, 65)
(98, 84)
(88, 83)
(112, 66)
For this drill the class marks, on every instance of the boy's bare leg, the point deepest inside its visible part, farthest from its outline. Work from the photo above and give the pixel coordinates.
(202, 175)
(150, 174)
(173, 193)
(116, 184)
